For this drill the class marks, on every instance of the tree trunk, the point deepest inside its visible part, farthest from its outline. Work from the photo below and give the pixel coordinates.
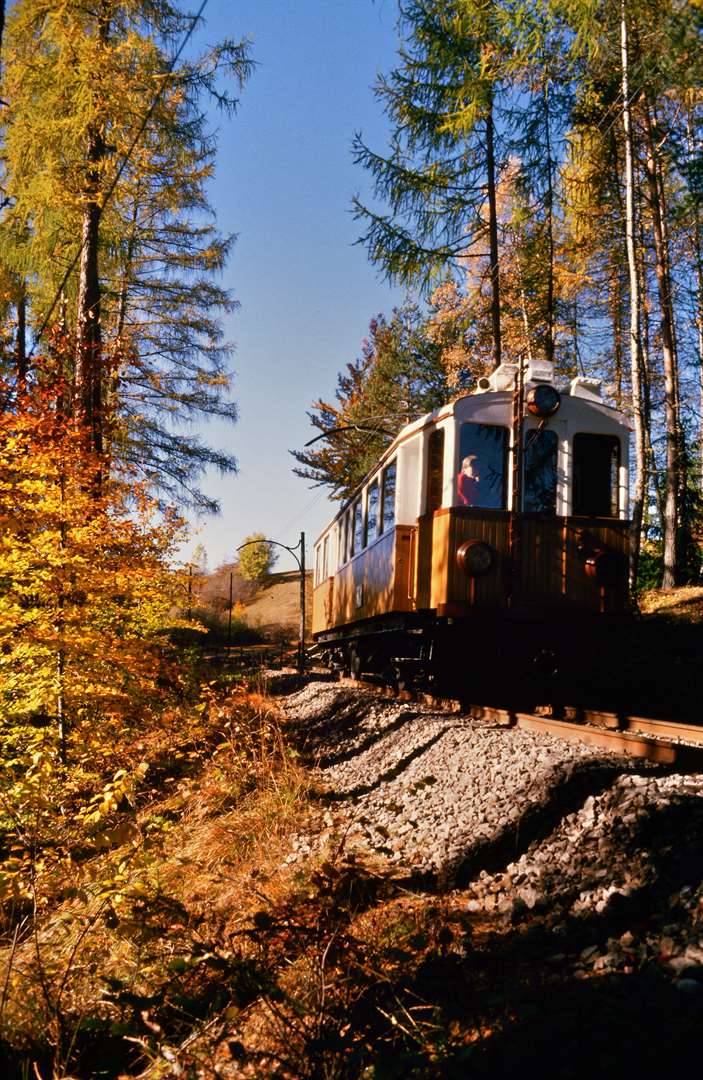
(698, 305)
(698, 248)
(670, 524)
(88, 388)
(89, 366)
(652, 469)
(493, 235)
(550, 313)
(21, 340)
(635, 329)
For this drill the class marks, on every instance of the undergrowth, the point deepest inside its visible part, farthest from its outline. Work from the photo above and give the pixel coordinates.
(120, 878)
(152, 927)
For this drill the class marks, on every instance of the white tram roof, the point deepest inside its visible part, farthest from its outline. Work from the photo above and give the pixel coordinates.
(498, 387)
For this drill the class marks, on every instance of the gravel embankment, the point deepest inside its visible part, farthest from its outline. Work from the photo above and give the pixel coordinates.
(436, 794)
(529, 826)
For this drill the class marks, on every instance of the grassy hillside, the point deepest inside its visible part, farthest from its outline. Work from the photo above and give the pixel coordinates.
(266, 610)
(276, 604)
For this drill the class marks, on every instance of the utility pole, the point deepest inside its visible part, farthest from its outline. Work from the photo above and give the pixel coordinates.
(300, 559)
(301, 632)
(229, 620)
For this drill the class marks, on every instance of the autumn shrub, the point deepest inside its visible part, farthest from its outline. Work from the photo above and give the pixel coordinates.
(85, 581)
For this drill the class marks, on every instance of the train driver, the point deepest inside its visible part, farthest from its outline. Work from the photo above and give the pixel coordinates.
(468, 481)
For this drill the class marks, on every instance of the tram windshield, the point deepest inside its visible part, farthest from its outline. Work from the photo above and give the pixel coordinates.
(540, 472)
(483, 457)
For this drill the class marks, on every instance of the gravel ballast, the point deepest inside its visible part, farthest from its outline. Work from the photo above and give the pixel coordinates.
(529, 826)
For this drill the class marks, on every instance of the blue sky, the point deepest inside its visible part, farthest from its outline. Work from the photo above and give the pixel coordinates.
(284, 183)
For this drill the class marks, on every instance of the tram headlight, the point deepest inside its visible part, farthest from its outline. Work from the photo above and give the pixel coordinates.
(474, 558)
(543, 400)
(606, 567)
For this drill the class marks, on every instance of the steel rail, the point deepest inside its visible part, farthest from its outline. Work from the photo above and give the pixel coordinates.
(660, 741)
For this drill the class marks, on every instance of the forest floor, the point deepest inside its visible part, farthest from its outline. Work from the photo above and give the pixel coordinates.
(217, 920)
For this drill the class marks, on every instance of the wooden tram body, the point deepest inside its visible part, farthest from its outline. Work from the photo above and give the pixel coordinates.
(412, 575)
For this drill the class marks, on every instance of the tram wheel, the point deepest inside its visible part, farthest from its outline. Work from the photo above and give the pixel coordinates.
(355, 663)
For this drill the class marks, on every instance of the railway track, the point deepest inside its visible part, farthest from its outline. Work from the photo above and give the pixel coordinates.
(662, 741)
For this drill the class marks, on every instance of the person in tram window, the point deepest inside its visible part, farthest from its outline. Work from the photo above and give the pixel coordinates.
(468, 481)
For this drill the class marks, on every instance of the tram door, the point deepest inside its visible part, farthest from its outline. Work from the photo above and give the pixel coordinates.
(540, 538)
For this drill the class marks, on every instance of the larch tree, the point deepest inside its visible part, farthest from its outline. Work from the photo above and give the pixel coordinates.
(105, 141)
(656, 48)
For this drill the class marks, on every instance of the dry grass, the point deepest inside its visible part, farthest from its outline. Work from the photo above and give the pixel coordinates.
(132, 946)
(684, 604)
(277, 604)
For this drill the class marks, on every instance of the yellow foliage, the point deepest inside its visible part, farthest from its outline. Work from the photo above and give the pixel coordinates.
(85, 584)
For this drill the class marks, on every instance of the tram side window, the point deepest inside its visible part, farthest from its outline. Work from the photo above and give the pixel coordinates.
(540, 472)
(318, 565)
(325, 558)
(372, 513)
(388, 499)
(435, 470)
(596, 463)
(358, 533)
(483, 463)
(348, 535)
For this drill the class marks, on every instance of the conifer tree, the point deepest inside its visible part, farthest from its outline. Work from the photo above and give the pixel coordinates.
(440, 176)
(106, 152)
(399, 376)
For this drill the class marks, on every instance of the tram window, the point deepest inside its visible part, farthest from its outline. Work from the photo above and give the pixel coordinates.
(318, 565)
(372, 513)
(325, 558)
(435, 470)
(388, 499)
(540, 472)
(596, 460)
(358, 533)
(483, 460)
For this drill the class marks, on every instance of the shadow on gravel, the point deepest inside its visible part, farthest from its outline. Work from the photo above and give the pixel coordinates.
(389, 774)
(536, 824)
(341, 718)
(537, 1023)
(325, 761)
(433, 992)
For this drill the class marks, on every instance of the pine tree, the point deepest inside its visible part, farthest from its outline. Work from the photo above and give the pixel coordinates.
(440, 176)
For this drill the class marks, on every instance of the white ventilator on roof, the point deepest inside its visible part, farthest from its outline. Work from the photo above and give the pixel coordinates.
(505, 375)
(582, 387)
(538, 371)
(503, 378)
